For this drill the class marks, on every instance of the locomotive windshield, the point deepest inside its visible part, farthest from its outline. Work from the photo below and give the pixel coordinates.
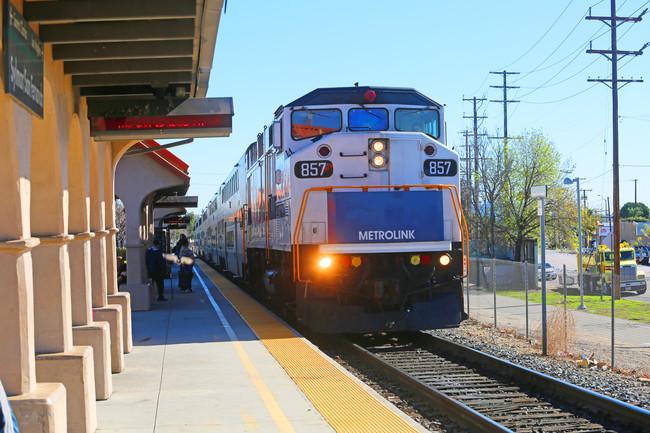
(418, 120)
(367, 119)
(311, 123)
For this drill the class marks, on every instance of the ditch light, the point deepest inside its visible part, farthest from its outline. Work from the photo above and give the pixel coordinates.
(160, 119)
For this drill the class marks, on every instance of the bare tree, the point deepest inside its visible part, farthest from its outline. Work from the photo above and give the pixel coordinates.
(120, 223)
(488, 182)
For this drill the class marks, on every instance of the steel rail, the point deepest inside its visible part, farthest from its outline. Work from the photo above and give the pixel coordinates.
(454, 409)
(626, 416)
(633, 416)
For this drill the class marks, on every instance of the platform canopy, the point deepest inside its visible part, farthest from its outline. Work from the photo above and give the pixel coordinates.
(177, 201)
(126, 49)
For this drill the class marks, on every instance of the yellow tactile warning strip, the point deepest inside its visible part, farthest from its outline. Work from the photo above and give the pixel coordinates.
(345, 404)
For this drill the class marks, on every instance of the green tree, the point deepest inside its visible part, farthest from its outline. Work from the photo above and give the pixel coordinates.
(190, 225)
(533, 161)
(635, 212)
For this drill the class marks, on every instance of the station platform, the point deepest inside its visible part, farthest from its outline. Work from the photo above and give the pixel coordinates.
(217, 361)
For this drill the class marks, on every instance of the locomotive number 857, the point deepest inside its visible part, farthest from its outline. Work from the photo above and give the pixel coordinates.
(345, 213)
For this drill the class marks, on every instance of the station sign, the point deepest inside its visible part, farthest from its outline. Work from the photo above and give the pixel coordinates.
(167, 118)
(23, 60)
(177, 226)
(539, 191)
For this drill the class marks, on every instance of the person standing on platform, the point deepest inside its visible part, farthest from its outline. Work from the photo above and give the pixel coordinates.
(177, 248)
(156, 267)
(121, 271)
(186, 262)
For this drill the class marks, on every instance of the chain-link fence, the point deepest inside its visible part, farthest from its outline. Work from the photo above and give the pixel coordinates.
(508, 295)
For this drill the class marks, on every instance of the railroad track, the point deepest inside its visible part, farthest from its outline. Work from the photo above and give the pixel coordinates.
(487, 394)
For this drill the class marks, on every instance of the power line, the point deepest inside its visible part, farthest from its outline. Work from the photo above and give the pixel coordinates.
(543, 36)
(588, 141)
(535, 69)
(561, 99)
(576, 52)
(481, 86)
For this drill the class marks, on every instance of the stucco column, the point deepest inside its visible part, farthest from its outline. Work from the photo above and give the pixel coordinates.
(17, 317)
(111, 262)
(101, 309)
(52, 306)
(80, 283)
(39, 407)
(98, 263)
(85, 331)
(57, 360)
(122, 299)
(137, 281)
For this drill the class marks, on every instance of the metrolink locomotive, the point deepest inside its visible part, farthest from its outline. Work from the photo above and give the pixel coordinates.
(345, 214)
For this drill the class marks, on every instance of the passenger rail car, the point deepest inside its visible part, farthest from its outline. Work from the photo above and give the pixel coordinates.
(345, 213)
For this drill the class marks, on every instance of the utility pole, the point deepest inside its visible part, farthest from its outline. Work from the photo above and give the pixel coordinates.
(635, 181)
(468, 169)
(505, 102)
(475, 117)
(584, 196)
(584, 201)
(613, 83)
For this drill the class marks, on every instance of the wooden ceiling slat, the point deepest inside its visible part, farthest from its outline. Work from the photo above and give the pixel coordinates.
(123, 50)
(115, 49)
(73, 11)
(121, 92)
(127, 65)
(155, 79)
(117, 31)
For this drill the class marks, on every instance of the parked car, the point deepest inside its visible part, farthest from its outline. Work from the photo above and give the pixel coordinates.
(549, 271)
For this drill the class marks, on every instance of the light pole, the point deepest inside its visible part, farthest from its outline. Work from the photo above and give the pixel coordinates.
(540, 192)
(569, 181)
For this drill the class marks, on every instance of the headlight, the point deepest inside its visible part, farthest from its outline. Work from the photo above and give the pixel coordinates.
(325, 262)
(378, 146)
(444, 260)
(378, 161)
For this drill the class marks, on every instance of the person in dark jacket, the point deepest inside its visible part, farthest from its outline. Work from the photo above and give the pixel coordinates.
(186, 262)
(156, 267)
(177, 248)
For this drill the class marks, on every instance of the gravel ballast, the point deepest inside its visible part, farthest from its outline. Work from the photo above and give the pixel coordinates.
(630, 385)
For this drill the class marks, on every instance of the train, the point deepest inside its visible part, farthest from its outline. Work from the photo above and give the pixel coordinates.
(345, 215)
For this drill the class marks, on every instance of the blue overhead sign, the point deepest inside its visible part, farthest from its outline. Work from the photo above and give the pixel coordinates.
(23, 60)
(385, 216)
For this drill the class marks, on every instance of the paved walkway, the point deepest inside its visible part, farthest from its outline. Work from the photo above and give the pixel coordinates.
(200, 365)
(511, 314)
(200, 368)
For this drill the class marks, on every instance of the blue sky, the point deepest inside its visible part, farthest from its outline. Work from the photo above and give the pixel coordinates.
(270, 53)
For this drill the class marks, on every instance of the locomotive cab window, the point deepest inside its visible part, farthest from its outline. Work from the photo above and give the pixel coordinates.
(367, 119)
(418, 120)
(311, 123)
